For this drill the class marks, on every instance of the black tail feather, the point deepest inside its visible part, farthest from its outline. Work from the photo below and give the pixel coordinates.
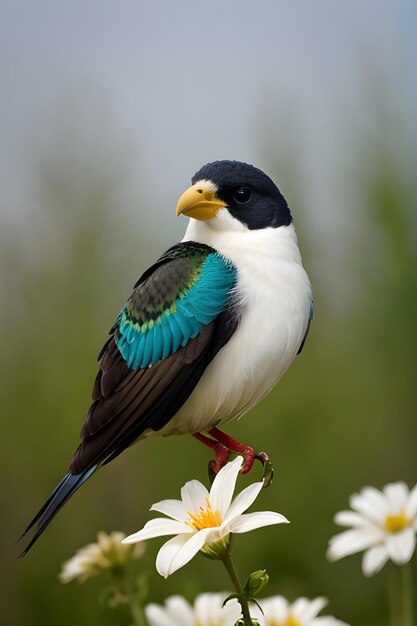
(45, 506)
(63, 492)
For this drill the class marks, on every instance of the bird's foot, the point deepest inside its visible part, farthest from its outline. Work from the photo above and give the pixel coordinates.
(247, 452)
(222, 454)
(222, 444)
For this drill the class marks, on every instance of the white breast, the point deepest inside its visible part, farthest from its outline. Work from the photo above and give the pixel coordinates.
(275, 292)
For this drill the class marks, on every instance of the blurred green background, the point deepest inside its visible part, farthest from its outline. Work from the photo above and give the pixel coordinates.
(87, 203)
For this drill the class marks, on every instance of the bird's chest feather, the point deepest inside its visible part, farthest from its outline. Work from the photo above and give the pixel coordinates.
(273, 296)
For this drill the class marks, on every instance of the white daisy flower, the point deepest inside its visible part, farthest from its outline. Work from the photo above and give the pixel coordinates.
(384, 523)
(95, 558)
(277, 611)
(207, 611)
(203, 520)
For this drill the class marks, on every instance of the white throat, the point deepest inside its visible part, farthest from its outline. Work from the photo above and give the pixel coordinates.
(240, 244)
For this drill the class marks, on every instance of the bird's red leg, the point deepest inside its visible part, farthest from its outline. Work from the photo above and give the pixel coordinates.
(247, 452)
(222, 452)
(222, 444)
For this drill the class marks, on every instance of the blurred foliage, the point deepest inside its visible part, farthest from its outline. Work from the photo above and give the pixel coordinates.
(343, 417)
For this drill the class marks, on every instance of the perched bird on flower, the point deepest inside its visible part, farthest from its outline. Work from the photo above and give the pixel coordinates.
(204, 520)
(384, 524)
(207, 610)
(207, 332)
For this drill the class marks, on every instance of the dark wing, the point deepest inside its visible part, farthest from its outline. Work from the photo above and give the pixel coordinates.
(180, 314)
(178, 317)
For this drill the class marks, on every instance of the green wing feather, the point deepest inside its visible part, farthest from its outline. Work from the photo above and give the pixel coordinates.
(187, 289)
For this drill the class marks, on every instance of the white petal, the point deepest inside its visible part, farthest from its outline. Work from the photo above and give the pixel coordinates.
(194, 496)
(250, 521)
(401, 546)
(189, 549)
(352, 541)
(256, 614)
(180, 610)
(371, 503)
(178, 551)
(411, 506)
(74, 567)
(176, 611)
(397, 494)
(207, 608)
(374, 560)
(158, 528)
(276, 609)
(224, 485)
(306, 610)
(157, 616)
(349, 518)
(230, 613)
(242, 502)
(172, 508)
(298, 607)
(209, 611)
(167, 553)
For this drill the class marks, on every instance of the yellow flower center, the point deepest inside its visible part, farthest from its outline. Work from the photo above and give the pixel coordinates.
(291, 621)
(395, 523)
(206, 518)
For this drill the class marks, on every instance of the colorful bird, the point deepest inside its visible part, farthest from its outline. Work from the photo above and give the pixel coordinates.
(207, 332)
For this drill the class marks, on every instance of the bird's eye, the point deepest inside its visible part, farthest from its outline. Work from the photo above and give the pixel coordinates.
(242, 194)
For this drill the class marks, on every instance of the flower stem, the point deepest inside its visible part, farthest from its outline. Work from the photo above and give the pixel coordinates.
(393, 594)
(136, 611)
(229, 565)
(407, 595)
(130, 597)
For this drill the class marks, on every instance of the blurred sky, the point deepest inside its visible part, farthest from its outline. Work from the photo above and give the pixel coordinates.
(185, 82)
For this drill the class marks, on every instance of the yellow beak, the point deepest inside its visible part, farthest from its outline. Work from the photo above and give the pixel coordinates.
(199, 202)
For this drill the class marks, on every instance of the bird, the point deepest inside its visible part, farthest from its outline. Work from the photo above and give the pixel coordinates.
(206, 333)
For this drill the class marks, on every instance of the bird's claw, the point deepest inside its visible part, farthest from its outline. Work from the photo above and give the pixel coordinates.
(249, 456)
(268, 468)
(223, 445)
(222, 456)
(211, 472)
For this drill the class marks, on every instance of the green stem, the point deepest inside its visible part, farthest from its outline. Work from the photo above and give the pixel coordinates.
(407, 595)
(229, 565)
(393, 594)
(137, 612)
(127, 590)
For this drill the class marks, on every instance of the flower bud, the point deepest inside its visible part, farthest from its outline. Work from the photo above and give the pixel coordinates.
(255, 583)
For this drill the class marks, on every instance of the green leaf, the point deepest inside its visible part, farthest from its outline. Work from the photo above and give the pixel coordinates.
(233, 596)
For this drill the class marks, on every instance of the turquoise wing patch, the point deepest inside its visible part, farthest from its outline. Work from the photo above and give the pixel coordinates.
(173, 304)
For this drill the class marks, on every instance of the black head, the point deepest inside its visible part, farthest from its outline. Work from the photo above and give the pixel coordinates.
(250, 195)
